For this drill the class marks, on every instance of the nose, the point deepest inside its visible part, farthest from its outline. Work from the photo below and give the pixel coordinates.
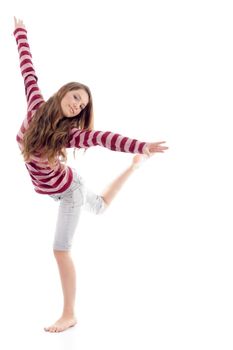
(75, 106)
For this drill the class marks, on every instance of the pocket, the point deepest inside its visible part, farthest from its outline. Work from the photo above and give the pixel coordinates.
(78, 180)
(76, 184)
(78, 195)
(73, 198)
(56, 197)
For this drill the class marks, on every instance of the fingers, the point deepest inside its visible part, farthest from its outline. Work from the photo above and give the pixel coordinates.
(155, 147)
(18, 23)
(158, 143)
(158, 148)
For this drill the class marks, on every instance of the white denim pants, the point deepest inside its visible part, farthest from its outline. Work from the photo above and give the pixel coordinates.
(76, 197)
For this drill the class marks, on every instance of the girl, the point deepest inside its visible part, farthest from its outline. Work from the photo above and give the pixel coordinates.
(65, 120)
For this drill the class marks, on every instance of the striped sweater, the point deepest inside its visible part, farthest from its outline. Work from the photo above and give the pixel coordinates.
(47, 180)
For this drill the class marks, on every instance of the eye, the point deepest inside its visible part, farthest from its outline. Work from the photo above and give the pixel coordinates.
(76, 97)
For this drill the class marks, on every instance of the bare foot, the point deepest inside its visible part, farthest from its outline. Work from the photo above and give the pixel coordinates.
(62, 324)
(138, 160)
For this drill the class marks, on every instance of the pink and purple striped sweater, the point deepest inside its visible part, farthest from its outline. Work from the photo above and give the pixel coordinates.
(47, 180)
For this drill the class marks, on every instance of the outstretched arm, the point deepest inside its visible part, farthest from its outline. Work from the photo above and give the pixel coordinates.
(33, 94)
(115, 142)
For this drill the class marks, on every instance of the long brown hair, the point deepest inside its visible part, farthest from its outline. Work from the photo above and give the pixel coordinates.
(48, 132)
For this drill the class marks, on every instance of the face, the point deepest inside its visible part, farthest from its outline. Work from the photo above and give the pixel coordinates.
(73, 102)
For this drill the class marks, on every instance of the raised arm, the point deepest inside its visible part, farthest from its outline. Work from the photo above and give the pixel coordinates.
(32, 91)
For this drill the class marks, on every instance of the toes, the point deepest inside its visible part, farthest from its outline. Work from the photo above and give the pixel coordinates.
(59, 329)
(50, 329)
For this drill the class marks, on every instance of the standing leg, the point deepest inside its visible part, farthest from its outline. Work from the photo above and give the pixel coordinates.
(68, 217)
(68, 280)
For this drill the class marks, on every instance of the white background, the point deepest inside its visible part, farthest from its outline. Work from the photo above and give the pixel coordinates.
(155, 271)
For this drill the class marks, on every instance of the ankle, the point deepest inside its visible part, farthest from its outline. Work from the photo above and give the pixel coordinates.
(68, 314)
(134, 167)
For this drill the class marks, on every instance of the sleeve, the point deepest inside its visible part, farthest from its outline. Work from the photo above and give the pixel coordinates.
(32, 91)
(114, 142)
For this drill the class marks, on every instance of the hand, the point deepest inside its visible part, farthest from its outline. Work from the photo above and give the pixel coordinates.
(18, 23)
(154, 147)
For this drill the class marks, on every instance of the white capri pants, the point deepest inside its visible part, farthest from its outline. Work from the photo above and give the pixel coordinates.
(71, 202)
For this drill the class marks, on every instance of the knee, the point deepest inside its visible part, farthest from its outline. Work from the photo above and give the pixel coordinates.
(105, 202)
(104, 206)
(61, 254)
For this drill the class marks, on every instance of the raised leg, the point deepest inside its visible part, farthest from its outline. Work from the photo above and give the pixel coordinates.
(112, 189)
